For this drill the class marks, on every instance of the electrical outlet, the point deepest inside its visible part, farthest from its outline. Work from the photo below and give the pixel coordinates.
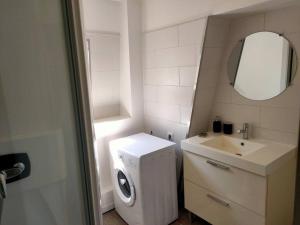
(170, 136)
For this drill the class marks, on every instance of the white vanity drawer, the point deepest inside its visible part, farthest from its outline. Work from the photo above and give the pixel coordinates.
(216, 209)
(244, 188)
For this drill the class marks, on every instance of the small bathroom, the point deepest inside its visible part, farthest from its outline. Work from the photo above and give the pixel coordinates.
(149, 112)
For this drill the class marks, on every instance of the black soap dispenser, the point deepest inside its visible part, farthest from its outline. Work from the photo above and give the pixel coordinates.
(217, 125)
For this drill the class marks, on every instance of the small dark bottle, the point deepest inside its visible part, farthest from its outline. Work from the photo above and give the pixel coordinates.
(227, 128)
(217, 125)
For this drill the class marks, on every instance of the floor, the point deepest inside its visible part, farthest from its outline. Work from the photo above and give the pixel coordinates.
(112, 218)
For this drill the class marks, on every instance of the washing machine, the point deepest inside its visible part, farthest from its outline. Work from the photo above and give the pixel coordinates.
(143, 171)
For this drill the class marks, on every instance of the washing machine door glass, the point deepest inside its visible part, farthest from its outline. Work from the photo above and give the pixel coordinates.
(125, 187)
(124, 184)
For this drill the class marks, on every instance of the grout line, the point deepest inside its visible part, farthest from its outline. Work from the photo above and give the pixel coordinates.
(179, 76)
(260, 116)
(162, 85)
(173, 47)
(173, 67)
(178, 36)
(177, 24)
(264, 21)
(99, 32)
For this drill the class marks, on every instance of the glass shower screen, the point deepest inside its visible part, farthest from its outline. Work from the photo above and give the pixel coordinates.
(38, 116)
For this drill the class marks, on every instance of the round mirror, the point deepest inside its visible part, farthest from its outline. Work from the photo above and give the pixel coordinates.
(262, 65)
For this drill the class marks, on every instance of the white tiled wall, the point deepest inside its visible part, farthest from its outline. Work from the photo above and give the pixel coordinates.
(105, 73)
(171, 58)
(278, 118)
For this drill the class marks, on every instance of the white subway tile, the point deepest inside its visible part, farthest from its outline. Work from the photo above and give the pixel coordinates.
(165, 38)
(201, 119)
(192, 33)
(224, 93)
(188, 76)
(280, 119)
(171, 57)
(277, 136)
(186, 95)
(163, 111)
(289, 98)
(211, 58)
(222, 110)
(105, 111)
(238, 114)
(155, 125)
(105, 62)
(244, 26)
(223, 76)
(185, 114)
(208, 77)
(223, 70)
(238, 99)
(105, 52)
(162, 76)
(105, 43)
(205, 95)
(168, 95)
(106, 91)
(150, 93)
(149, 110)
(175, 95)
(149, 59)
(217, 32)
(246, 114)
(283, 20)
(161, 128)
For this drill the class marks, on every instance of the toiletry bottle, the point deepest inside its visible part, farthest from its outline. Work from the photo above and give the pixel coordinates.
(217, 125)
(227, 128)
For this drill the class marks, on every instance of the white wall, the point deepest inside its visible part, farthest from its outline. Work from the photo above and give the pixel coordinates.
(172, 46)
(101, 15)
(102, 28)
(278, 118)
(130, 120)
(163, 13)
(171, 58)
(105, 73)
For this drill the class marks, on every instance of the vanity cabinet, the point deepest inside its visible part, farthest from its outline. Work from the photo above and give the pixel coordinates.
(223, 194)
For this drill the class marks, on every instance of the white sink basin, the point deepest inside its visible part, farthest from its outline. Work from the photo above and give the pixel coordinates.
(232, 145)
(255, 155)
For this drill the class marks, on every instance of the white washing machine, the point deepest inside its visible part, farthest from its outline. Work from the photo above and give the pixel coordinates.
(144, 179)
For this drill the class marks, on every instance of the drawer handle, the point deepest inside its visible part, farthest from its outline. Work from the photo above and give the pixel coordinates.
(222, 202)
(218, 165)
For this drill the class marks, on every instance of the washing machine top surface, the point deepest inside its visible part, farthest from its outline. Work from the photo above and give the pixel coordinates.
(140, 144)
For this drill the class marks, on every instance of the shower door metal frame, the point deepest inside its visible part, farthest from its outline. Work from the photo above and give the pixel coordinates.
(83, 111)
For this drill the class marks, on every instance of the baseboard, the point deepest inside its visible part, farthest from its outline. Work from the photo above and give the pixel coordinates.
(107, 201)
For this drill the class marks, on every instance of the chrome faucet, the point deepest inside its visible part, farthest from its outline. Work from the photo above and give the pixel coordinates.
(244, 131)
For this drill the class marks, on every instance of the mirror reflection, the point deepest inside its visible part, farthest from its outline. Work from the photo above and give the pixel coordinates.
(262, 65)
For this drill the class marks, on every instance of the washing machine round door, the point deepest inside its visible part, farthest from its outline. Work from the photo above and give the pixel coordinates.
(125, 187)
